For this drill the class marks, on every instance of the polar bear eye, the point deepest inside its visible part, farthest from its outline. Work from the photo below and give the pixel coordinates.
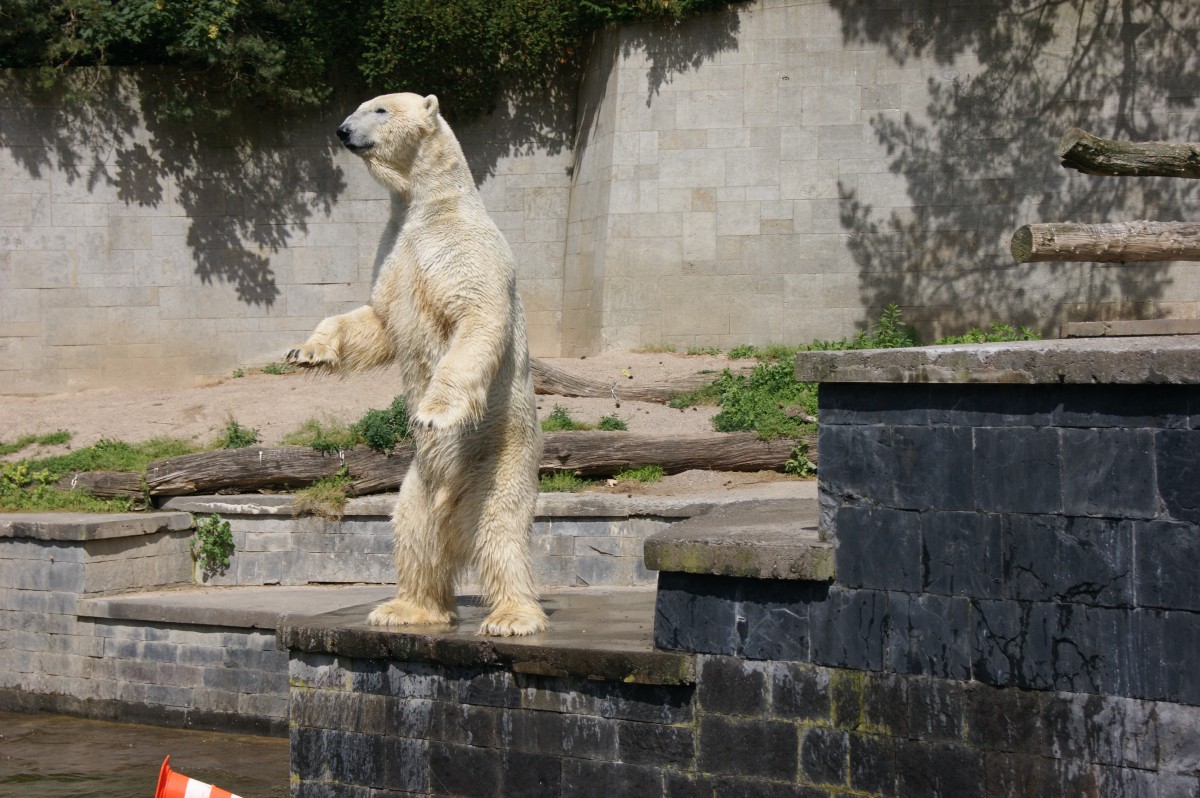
(381, 110)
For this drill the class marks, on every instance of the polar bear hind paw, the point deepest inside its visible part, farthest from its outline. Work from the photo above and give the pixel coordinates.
(399, 612)
(514, 620)
(312, 355)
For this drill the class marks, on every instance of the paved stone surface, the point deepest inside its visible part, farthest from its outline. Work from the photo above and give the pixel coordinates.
(1116, 361)
(775, 540)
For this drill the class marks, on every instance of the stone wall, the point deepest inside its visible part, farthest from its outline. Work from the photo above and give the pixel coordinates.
(776, 172)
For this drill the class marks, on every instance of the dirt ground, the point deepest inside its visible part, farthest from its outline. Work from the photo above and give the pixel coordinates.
(278, 404)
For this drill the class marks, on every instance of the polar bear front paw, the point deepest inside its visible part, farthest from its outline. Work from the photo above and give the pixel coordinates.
(438, 415)
(514, 620)
(313, 355)
(400, 612)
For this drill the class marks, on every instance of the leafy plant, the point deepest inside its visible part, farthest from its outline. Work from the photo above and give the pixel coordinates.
(326, 497)
(561, 482)
(383, 429)
(212, 544)
(277, 368)
(648, 474)
(798, 463)
(239, 372)
(612, 423)
(742, 352)
(656, 348)
(759, 402)
(889, 333)
(559, 420)
(707, 395)
(236, 436)
(326, 437)
(703, 350)
(995, 334)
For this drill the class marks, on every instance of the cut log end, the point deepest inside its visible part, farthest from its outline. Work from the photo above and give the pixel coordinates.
(1071, 138)
(1022, 244)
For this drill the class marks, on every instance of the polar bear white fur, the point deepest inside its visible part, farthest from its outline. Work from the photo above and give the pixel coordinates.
(445, 308)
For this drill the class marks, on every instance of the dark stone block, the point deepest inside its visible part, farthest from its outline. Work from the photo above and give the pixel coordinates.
(530, 774)
(1129, 406)
(998, 642)
(991, 405)
(368, 676)
(849, 629)
(961, 554)
(584, 779)
(929, 635)
(307, 749)
(649, 703)
(878, 548)
(657, 745)
(939, 770)
(824, 756)
(799, 691)
(873, 764)
(907, 468)
(1017, 470)
(697, 613)
(1021, 776)
(1008, 720)
(680, 785)
(885, 704)
(355, 758)
(776, 617)
(495, 688)
(1107, 730)
(1177, 472)
(1181, 652)
(466, 771)
(763, 749)
(732, 686)
(1073, 560)
(1109, 472)
(755, 788)
(405, 764)
(586, 737)
(1167, 565)
(458, 723)
(935, 709)
(864, 403)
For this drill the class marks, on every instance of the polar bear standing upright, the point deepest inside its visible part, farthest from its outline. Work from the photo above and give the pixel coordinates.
(445, 308)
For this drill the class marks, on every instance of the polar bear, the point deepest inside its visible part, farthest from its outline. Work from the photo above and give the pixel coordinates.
(445, 308)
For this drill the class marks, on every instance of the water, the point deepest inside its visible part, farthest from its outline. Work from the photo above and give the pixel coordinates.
(55, 756)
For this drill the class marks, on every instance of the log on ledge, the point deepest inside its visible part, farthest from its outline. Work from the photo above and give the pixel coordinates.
(555, 382)
(593, 453)
(1092, 155)
(1127, 242)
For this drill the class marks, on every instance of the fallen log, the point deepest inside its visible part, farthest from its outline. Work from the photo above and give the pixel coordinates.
(548, 380)
(106, 484)
(593, 453)
(1126, 242)
(1092, 155)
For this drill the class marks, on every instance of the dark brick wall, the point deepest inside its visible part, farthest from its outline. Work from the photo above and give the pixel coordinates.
(1041, 537)
(745, 728)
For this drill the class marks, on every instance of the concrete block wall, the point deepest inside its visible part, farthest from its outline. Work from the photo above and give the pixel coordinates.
(778, 171)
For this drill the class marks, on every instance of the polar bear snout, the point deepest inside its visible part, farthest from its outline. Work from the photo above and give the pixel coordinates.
(354, 141)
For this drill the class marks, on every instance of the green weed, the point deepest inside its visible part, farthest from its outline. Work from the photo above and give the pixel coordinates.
(235, 436)
(612, 423)
(798, 463)
(239, 372)
(996, 333)
(647, 474)
(383, 429)
(326, 437)
(560, 420)
(326, 497)
(656, 348)
(703, 350)
(278, 368)
(50, 439)
(758, 402)
(742, 352)
(561, 482)
(212, 544)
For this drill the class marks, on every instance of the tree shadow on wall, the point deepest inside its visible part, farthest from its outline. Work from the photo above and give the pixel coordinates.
(247, 185)
(1005, 80)
(672, 48)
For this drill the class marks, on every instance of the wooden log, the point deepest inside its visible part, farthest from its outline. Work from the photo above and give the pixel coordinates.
(106, 484)
(593, 453)
(1126, 242)
(549, 380)
(1092, 155)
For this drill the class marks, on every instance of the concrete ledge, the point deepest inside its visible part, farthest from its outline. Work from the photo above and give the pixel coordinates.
(90, 526)
(1092, 329)
(1173, 360)
(597, 634)
(776, 540)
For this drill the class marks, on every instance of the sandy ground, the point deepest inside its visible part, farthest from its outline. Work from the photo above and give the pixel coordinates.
(278, 404)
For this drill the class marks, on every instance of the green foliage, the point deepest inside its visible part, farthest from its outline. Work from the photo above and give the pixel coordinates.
(326, 497)
(50, 439)
(798, 463)
(561, 482)
(236, 436)
(742, 352)
(277, 368)
(239, 372)
(560, 420)
(612, 423)
(647, 474)
(285, 55)
(703, 350)
(656, 348)
(760, 402)
(326, 437)
(212, 544)
(709, 395)
(383, 429)
(889, 333)
(995, 334)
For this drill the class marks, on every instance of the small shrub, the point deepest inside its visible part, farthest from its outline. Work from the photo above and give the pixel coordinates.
(757, 402)
(238, 372)
(383, 429)
(798, 463)
(236, 436)
(742, 352)
(212, 544)
(278, 368)
(560, 420)
(997, 333)
(328, 438)
(561, 482)
(703, 350)
(326, 497)
(889, 333)
(647, 474)
(612, 423)
(656, 348)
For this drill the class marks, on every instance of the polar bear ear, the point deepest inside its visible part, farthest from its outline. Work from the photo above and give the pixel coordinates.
(431, 105)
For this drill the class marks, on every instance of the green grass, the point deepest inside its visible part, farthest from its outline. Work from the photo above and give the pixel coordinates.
(560, 420)
(326, 497)
(656, 348)
(612, 423)
(647, 474)
(278, 368)
(50, 439)
(235, 436)
(562, 482)
(381, 430)
(327, 437)
(995, 334)
(703, 350)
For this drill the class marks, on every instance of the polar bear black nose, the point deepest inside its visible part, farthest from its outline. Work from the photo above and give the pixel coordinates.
(343, 133)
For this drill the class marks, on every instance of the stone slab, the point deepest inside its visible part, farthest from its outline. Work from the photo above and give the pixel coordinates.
(771, 540)
(90, 526)
(1093, 329)
(604, 634)
(1171, 360)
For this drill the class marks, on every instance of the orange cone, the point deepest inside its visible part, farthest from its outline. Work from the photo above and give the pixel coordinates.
(177, 785)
